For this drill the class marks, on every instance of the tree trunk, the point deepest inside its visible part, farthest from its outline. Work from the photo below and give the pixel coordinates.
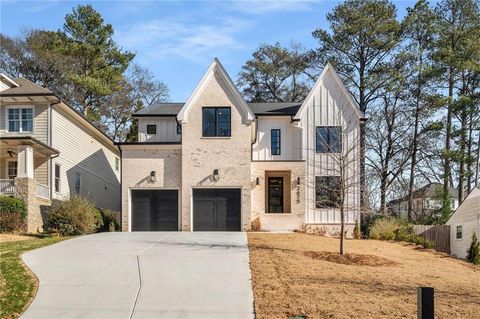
(448, 133)
(342, 228)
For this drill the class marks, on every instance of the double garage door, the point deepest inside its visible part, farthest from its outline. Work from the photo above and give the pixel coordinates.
(213, 210)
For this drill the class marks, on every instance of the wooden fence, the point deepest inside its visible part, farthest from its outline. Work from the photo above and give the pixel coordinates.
(439, 234)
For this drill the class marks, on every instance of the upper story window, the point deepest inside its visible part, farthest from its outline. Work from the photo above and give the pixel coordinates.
(151, 129)
(57, 178)
(117, 164)
(20, 119)
(216, 122)
(329, 139)
(179, 129)
(275, 141)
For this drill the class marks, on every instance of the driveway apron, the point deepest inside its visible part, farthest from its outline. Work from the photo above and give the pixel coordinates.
(143, 275)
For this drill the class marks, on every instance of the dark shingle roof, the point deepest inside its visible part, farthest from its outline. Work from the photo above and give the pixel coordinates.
(269, 108)
(25, 87)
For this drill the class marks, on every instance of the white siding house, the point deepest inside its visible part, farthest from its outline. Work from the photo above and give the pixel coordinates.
(463, 223)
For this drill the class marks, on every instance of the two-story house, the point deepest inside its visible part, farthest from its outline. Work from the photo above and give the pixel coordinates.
(217, 162)
(50, 152)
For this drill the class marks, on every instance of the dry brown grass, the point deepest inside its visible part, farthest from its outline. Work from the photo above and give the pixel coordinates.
(12, 237)
(295, 274)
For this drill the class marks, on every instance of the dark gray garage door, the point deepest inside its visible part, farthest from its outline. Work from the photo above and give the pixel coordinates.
(154, 210)
(216, 209)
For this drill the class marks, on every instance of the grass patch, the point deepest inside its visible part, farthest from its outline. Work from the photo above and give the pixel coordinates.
(350, 259)
(17, 284)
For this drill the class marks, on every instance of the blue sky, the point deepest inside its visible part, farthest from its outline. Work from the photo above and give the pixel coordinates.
(177, 40)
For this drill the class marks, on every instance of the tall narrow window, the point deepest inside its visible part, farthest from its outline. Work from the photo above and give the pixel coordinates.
(275, 142)
(328, 139)
(327, 191)
(20, 119)
(57, 178)
(117, 164)
(77, 183)
(459, 232)
(12, 169)
(179, 129)
(216, 122)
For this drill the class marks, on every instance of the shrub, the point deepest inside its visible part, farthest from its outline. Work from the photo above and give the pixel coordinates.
(76, 216)
(256, 224)
(109, 222)
(13, 214)
(405, 233)
(384, 229)
(425, 243)
(356, 231)
(473, 253)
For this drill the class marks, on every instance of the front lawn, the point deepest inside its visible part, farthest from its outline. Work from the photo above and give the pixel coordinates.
(17, 284)
(297, 275)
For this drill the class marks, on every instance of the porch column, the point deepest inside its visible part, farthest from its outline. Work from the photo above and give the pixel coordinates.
(25, 166)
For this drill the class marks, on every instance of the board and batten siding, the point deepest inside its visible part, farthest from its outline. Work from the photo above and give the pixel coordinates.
(82, 152)
(468, 216)
(328, 105)
(290, 139)
(166, 129)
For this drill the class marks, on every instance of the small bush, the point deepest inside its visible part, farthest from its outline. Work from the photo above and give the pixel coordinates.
(109, 222)
(473, 253)
(356, 231)
(384, 229)
(405, 233)
(13, 214)
(256, 224)
(425, 243)
(76, 216)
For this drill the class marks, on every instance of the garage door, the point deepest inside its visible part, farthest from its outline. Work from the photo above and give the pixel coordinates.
(154, 210)
(216, 209)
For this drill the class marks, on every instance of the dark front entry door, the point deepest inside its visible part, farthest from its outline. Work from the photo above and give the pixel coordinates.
(216, 209)
(154, 210)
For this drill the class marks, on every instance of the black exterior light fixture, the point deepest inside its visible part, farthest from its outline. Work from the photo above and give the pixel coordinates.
(298, 180)
(152, 176)
(258, 181)
(216, 177)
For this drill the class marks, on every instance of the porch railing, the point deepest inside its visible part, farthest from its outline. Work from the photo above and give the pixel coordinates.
(43, 191)
(7, 186)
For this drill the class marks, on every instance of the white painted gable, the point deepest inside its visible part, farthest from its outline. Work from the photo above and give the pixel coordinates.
(215, 68)
(6, 83)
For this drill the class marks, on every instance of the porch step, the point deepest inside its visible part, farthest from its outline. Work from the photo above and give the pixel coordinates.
(280, 222)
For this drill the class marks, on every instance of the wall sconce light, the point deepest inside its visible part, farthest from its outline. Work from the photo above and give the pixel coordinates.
(152, 176)
(216, 177)
(258, 181)
(298, 180)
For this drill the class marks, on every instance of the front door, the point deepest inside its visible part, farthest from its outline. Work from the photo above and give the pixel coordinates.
(216, 209)
(277, 192)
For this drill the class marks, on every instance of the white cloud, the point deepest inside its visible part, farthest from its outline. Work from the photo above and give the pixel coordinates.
(188, 38)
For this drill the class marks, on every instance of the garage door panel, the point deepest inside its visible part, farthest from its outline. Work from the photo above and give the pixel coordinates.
(154, 210)
(216, 209)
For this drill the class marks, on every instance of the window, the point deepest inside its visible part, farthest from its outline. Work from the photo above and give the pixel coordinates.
(57, 178)
(327, 191)
(459, 232)
(12, 169)
(179, 129)
(77, 183)
(216, 121)
(275, 194)
(275, 136)
(20, 119)
(329, 139)
(151, 129)
(117, 164)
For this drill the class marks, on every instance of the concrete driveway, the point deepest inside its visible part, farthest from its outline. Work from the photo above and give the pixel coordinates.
(143, 275)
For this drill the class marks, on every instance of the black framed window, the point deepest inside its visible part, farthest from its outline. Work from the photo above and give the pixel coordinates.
(328, 139)
(77, 183)
(216, 121)
(57, 178)
(275, 195)
(151, 129)
(327, 191)
(179, 129)
(275, 141)
(459, 232)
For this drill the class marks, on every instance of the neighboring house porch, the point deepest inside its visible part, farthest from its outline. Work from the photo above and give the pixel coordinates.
(24, 174)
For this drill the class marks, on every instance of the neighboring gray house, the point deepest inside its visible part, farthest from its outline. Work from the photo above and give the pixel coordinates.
(49, 152)
(463, 223)
(425, 201)
(217, 162)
